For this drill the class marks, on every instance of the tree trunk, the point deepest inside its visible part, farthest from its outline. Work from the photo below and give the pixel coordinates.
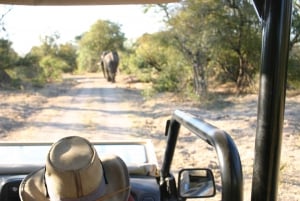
(243, 78)
(4, 78)
(200, 83)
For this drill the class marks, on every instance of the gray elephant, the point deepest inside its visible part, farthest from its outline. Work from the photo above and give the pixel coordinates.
(109, 64)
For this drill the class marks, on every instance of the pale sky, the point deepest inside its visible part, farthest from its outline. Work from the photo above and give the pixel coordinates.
(26, 24)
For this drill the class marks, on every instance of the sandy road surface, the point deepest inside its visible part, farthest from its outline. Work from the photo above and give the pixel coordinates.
(93, 108)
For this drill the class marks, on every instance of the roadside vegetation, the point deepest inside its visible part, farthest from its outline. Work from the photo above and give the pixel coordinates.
(205, 44)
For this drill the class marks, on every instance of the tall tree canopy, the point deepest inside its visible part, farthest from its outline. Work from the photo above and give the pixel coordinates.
(48, 61)
(102, 36)
(295, 32)
(190, 27)
(156, 60)
(8, 59)
(236, 43)
(224, 35)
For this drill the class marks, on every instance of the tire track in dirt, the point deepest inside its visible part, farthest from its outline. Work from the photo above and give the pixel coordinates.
(94, 109)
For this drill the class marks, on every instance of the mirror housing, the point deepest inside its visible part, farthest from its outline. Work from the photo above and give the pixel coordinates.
(196, 183)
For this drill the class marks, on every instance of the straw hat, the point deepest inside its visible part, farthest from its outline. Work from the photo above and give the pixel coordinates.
(74, 172)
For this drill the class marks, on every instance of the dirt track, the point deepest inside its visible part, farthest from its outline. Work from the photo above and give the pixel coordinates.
(89, 106)
(92, 108)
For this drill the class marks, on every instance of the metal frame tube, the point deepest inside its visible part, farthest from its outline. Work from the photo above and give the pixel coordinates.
(229, 158)
(172, 133)
(276, 31)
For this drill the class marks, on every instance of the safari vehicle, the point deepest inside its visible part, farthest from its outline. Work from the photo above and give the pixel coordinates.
(153, 183)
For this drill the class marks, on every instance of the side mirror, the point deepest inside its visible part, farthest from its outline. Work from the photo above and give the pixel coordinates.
(196, 183)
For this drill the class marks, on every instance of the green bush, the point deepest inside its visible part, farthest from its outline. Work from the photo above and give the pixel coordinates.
(166, 81)
(293, 73)
(52, 67)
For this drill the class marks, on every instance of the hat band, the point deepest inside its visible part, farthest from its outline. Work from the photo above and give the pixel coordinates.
(100, 191)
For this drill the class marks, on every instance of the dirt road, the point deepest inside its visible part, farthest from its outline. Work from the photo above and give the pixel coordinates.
(89, 106)
(93, 108)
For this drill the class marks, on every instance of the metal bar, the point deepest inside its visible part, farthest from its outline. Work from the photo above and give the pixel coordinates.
(229, 158)
(259, 7)
(172, 132)
(276, 32)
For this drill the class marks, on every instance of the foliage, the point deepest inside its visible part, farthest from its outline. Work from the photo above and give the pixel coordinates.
(226, 36)
(27, 68)
(8, 58)
(45, 63)
(141, 59)
(293, 68)
(102, 36)
(295, 29)
(238, 41)
(156, 60)
(68, 53)
(37, 53)
(204, 42)
(190, 30)
(52, 67)
(293, 74)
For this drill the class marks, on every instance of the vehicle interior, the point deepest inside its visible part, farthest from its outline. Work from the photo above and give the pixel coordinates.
(139, 156)
(152, 183)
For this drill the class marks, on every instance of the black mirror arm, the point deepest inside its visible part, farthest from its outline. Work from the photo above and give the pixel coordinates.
(167, 181)
(172, 131)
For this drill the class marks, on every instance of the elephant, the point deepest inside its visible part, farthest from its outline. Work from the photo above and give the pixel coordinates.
(109, 64)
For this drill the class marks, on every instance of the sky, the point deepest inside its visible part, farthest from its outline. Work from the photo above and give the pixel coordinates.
(25, 25)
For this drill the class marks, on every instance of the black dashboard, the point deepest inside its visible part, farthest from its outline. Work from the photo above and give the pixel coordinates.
(143, 188)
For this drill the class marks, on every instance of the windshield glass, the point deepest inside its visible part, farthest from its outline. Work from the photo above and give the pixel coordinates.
(61, 89)
(115, 73)
(35, 154)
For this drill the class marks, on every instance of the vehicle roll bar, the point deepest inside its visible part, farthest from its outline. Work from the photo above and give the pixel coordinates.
(276, 24)
(229, 158)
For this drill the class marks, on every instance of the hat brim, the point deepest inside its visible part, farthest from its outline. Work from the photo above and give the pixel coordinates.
(117, 177)
(33, 186)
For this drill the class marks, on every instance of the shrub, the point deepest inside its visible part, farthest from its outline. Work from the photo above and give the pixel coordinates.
(52, 67)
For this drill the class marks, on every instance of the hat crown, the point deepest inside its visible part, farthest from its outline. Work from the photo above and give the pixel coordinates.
(73, 169)
(71, 154)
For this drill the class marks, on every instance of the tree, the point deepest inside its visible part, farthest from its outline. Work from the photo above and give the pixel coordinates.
(294, 60)
(102, 36)
(295, 28)
(8, 56)
(2, 16)
(190, 27)
(223, 35)
(48, 61)
(149, 49)
(68, 53)
(236, 43)
(8, 59)
(156, 60)
(52, 67)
